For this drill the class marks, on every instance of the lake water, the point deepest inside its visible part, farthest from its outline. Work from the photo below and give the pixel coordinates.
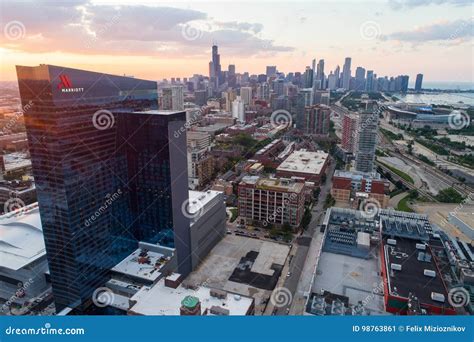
(439, 98)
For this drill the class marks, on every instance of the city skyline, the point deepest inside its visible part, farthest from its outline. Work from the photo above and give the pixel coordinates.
(176, 40)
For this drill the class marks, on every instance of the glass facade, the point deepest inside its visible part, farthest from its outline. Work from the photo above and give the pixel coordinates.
(103, 173)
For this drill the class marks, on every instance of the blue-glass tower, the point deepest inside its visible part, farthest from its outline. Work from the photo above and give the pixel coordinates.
(106, 173)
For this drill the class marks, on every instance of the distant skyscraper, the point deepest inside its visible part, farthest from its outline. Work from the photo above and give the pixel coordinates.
(263, 92)
(366, 141)
(215, 73)
(332, 81)
(404, 83)
(231, 77)
(346, 73)
(337, 72)
(320, 74)
(271, 70)
(369, 84)
(360, 79)
(238, 110)
(94, 146)
(172, 98)
(246, 95)
(200, 97)
(419, 82)
(308, 78)
(229, 96)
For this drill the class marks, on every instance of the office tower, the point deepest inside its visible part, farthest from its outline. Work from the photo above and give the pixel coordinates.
(321, 97)
(419, 82)
(200, 97)
(308, 96)
(246, 95)
(215, 72)
(172, 98)
(346, 73)
(263, 92)
(279, 86)
(271, 70)
(332, 81)
(403, 83)
(320, 74)
(349, 132)
(317, 120)
(229, 97)
(369, 84)
(238, 109)
(360, 79)
(231, 77)
(261, 78)
(366, 140)
(337, 72)
(105, 173)
(308, 78)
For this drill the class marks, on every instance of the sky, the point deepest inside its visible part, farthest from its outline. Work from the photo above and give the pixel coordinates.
(156, 40)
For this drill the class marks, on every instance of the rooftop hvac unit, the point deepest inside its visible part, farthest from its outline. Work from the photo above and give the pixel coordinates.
(392, 242)
(421, 246)
(429, 273)
(437, 297)
(396, 267)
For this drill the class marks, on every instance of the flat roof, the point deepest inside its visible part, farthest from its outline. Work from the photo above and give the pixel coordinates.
(278, 184)
(358, 279)
(21, 237)
(304, 162)
(162, 300)
(411, 278)
(142, 263)
(160, 112)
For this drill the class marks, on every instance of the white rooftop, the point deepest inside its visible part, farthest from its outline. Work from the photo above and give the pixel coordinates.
(200, 201)
(145, 267)
(305, 162)
(21, 237)
(162, 300)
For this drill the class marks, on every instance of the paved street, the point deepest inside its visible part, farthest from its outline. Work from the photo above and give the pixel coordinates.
(303, 244)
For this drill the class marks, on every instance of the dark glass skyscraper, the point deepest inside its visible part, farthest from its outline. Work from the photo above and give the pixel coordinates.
(419, 82)
(106, 173)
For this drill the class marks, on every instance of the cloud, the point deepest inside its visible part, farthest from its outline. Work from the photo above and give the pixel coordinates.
(234, 25)
(450, 31)
(83, 28)
(400, 4)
